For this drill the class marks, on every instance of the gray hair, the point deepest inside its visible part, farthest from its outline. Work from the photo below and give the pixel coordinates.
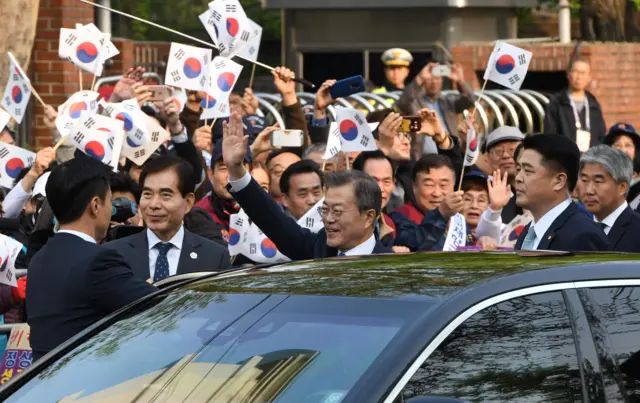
(314, 148)
(616, 162)
(367, 192)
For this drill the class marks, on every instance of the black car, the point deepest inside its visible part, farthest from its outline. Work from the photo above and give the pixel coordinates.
(479, 327)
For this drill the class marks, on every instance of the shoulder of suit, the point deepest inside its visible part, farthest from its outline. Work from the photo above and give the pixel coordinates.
(204, 241)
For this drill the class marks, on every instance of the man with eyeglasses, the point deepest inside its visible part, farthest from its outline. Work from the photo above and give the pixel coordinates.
(353, 201)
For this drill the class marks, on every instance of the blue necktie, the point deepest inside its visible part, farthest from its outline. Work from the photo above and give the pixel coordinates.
(162, 263)
(341, 254)
(529, 240)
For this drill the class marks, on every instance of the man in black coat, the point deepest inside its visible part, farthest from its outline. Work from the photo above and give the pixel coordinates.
(166, 248)
(605, 175)
(575, 112)
(74, 282)
(352, 204)
(547, 174)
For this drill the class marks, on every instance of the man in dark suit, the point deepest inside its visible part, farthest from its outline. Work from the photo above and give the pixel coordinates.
(547, 174)
(74, 282)
(166, 248)
(352, 204)
(605, 176)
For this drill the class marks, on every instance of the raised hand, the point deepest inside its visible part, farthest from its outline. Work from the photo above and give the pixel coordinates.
(262, 143)
(388, 130)
(452, 204)
(50, 116)
(202, 138)
(283, 80)
(170, 111)
(44, 158)
(457, 74)
(487, 243)
(122, 90)
(425, 74)
(234, 145)
(323, 96)
(499, 190)
(249, 102)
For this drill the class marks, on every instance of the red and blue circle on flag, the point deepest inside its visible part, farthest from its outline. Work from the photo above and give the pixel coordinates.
(126, 118)
(268, 248)
(349, 130)
(234, 237)
(192, 68)
(95, 149)
(13, 167)
(86, 52)
(233, 26)
(225, 81)
(505, 64)
(208, 102)
(76, 109)
(16, 94)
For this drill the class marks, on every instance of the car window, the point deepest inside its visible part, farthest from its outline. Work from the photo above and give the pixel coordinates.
(615, 326)
(203, 346)
(521, 350)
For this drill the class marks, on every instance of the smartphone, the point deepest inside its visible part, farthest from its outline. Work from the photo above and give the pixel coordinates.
(346, 87)
(287, 138)
(411, 124)
(160, 92)
(441, 71)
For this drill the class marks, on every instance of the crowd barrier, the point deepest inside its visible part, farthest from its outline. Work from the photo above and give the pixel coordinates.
(524, 109)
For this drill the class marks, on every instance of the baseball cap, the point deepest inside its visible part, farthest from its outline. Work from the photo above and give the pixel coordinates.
(397, 57)
(619, 129)
(217, 153)
(503, 133)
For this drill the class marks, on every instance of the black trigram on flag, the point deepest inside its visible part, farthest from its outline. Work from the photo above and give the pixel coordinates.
(203, 81)
(139, 154)
(3, 152)
(364, 141)
(68, 126)
(155, 136)
(514, 79)
(138, 134)
(15, 77)
(29, 160)
(89, 123)
(239, 222)
(244, 36)
(252, 248)
(25, 88)
(18, 111)
(222, 47)
(7, 100)
(219, 64)
(310, 222)
(252, 50)
(260, 233)
(71, 39)
(109, 110)
(216, 15)
(230, 8)
(522, 59)
(333, 150)
(175, 75)
(179, 54)
(78, 138)
(110, 142)
(359, 119)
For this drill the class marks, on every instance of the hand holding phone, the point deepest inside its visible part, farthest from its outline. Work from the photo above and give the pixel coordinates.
(442, 70)
(411, 124)
(287, 138)
(159, 92)
(346, 87)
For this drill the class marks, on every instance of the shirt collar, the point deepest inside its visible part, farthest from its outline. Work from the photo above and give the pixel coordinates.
(613, 217)
(545, 222)
(79, 234)
(365, 248)
(175, 241)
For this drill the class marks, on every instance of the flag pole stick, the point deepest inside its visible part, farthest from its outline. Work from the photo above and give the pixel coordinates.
(35, 93)
(59, 143)
(214, 122)
(346, 156)
(153, 24)
(471, 117)
(93, 83)
(80, 77)
(253, 72)
(324, 165)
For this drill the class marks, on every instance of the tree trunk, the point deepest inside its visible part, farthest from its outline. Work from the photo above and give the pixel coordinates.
(18, 31)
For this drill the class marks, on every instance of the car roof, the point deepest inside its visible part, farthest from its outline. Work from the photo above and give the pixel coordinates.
(422, 275)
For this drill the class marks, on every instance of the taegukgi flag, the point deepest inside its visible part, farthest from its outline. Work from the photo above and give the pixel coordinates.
(249, 51)
(82, 48)
(17, 92)
(79, 106)
(188, 67)
(95, 136)
(12, 161)
(507, 65)
(9, 250)
(232, 28)
(223, 75)
(108, 49)
(471, 155)
(355, 133)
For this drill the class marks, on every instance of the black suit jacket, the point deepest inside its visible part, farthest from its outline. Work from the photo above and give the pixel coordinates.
(625, 233)
(209, 256)
(559, 118)
(572, 231)
(73, 284)
(292, 240)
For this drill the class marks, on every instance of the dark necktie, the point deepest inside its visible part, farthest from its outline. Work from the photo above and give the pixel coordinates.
(341, 254)
(162, 263)
(602, 226)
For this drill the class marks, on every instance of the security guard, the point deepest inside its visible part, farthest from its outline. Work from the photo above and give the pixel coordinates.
(396, 69)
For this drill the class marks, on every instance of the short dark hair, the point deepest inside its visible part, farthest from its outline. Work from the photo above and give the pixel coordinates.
(123, 183)
(363, 157)
(186, 178)
(73, 184)
(474, 183)
(277, 153)
(575, 60)
(559, 153)
(297, 168)
(367, 192)
(432, 161)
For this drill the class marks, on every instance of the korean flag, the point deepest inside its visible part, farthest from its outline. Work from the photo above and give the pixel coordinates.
(109, 50)
(312, 220)
(82, 48)
(507, 65)
(188, 67)
(355, 133)
(223, 75)
(135, 121)
(17, 92)
(96, 136)
(12, 161)
(231, 25)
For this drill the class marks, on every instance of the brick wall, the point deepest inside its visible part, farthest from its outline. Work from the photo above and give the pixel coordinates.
(616, 77)
(52, 77)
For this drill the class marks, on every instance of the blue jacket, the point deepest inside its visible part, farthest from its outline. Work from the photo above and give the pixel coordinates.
(430, 235)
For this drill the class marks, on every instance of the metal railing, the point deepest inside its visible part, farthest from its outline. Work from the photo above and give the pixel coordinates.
(524, 109)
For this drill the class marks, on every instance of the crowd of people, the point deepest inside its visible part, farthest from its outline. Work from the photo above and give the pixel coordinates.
(96, 240)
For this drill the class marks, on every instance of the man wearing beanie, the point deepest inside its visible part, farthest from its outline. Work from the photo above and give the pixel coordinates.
(547, 173)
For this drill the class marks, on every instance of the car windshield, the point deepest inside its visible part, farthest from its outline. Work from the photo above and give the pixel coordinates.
(197, 345)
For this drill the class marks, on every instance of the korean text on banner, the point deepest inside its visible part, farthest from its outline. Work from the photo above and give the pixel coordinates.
(18, 355)
(456, 234)
(507, 65)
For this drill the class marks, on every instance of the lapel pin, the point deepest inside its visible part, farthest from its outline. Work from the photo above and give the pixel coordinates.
(193, 255)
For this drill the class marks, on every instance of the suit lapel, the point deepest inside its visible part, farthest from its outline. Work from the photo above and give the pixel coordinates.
(619, 227)
(523, 235)
(558, 223)
(190, 261)
(139, 254)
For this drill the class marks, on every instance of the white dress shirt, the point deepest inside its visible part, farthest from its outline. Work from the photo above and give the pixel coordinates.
(79, 234)
(612, 218)
(545, 222)
(239, 184)
(365, 248)
(173, 256)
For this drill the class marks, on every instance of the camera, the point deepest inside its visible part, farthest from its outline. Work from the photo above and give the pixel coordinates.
(122, 209)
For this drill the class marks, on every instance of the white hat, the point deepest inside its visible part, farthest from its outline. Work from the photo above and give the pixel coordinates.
(397, 57)
(39, 187)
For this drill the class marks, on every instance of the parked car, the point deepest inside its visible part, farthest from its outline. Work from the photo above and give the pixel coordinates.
(434, 327)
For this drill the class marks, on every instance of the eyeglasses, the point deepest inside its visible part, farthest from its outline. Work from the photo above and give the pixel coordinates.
(324, 212)
(403, 136)
(499, 152)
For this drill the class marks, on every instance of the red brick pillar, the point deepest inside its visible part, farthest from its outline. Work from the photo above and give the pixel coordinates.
(54, 78)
